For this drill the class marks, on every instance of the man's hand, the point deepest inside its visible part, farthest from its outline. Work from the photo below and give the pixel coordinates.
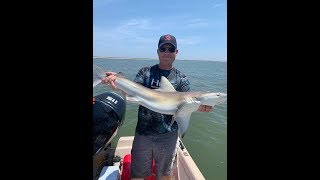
(204, 108)
(109, 80)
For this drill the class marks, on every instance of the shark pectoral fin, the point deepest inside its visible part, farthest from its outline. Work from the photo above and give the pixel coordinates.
(183, 124)
(183, 115)
(132, 99)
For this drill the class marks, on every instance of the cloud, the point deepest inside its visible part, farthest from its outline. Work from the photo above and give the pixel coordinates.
(218, 5)
(102, 3)
(136, 24)
(132, 31)
(190, 40)
(196, 23)
(144, 31)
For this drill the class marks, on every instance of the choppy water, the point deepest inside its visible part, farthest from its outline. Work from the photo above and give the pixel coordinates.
(206, 137)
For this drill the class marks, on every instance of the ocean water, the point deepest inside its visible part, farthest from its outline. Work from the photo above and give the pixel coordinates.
(206, 137)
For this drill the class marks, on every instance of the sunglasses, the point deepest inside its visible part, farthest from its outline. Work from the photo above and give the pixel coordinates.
(169, 49)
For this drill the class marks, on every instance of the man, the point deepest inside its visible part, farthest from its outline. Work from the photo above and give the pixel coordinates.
(155, 138)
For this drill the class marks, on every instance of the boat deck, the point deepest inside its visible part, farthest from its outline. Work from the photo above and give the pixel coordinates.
(184, 166)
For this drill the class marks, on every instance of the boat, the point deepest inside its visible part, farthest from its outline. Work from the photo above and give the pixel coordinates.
(114, 163)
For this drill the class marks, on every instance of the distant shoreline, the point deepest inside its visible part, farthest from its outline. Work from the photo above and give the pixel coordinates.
(120, 58)
(126, 58)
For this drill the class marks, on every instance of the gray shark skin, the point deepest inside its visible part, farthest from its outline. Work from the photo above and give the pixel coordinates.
(165, 100)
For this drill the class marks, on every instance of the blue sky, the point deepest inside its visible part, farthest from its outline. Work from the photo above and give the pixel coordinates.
(132, 28)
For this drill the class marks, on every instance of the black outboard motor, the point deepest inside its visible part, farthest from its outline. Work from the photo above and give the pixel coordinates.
(108, 115)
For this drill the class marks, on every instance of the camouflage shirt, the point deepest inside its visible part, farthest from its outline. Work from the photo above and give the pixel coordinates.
(150, 122)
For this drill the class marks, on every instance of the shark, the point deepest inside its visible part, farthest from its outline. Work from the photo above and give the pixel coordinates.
(166, 100)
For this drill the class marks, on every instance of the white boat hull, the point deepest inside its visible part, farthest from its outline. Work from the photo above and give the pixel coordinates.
(184, 166)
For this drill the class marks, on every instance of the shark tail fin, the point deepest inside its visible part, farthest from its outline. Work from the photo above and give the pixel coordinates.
(98, 75)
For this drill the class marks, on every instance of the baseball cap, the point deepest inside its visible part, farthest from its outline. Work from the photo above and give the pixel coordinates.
(164, 39)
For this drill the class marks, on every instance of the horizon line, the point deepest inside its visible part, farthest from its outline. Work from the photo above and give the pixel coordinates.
(145, 58)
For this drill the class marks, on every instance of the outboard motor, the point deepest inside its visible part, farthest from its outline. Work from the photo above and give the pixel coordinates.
(108, 115)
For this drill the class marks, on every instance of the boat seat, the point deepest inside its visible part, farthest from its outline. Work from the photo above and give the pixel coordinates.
(126, 169)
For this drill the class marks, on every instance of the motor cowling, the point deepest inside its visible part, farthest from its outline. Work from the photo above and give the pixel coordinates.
(108, 115)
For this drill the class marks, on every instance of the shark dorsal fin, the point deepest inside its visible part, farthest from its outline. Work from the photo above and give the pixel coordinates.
(165, 85)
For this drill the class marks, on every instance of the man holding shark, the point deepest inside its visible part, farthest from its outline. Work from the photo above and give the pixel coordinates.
(156, 133)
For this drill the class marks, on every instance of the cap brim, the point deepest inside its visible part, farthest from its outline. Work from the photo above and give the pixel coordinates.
(166, 43)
